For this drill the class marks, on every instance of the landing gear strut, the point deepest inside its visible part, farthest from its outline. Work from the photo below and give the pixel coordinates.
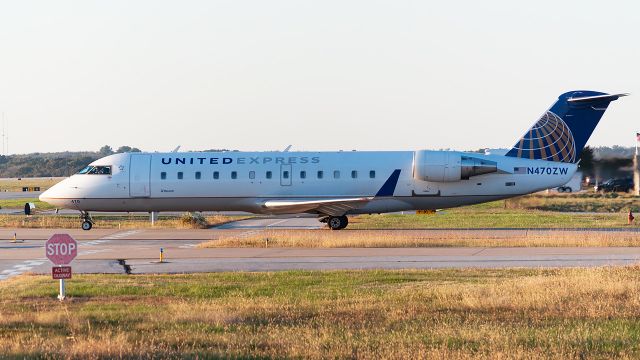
(87, 221)
(337, 222)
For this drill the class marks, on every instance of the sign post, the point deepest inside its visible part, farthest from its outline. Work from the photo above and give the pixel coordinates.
(61, 249)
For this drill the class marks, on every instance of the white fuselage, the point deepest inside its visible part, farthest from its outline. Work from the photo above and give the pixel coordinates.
(244, 181)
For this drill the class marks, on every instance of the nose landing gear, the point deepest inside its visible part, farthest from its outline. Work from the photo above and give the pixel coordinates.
(87, 221)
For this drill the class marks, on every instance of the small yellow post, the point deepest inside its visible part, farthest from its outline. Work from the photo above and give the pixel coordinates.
(15, 240)
(161, 255)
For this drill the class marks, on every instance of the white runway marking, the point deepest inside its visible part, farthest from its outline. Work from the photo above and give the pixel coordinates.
(119, 235)
(91, 252)
(21, 268)
(277, 222)
(187, 246)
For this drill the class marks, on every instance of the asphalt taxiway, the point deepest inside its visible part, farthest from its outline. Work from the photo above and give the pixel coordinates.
(137, 251)
(4, 195)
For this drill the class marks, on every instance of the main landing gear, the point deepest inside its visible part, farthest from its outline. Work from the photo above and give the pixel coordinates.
(87, 221)
(336, 222)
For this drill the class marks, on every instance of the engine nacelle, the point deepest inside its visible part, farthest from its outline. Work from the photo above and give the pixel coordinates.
(448, 166)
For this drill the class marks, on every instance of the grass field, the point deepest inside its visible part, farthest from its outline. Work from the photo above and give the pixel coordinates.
(17, 185)
(413, 239)
(18, 204)
(581, 202)
(568, 313)
(487, 217)
(114, 222)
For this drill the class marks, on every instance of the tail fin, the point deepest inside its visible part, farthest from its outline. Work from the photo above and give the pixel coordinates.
(563, 130)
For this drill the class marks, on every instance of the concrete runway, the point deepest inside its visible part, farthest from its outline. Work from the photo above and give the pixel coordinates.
(137, 251)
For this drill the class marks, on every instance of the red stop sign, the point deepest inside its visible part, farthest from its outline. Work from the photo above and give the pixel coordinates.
(61, 249)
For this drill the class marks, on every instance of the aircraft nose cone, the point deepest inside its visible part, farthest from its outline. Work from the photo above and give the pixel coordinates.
(54, 195)
(44, 196)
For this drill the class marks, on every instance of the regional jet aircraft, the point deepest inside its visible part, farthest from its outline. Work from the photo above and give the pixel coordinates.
(333, 185)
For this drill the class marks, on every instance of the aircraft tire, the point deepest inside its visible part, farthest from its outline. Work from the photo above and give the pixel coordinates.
(337, 222)
(87, 225)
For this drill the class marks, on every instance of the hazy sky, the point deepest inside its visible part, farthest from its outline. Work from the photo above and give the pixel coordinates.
(321, 75)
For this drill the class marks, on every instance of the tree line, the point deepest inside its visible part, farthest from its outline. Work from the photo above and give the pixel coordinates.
(600, 161)
(58, 164)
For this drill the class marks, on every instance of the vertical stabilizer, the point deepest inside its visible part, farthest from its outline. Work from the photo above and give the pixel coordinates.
(563, 130)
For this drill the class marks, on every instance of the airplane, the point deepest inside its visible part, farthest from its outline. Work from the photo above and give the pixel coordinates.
(333, 185)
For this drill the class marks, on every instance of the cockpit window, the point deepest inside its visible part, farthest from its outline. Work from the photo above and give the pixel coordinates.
(96, 170)
(85, 170)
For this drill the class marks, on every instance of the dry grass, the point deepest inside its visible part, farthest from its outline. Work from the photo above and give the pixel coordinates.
(519, 314)
(112, 222)
(17, 185)
(425, 238)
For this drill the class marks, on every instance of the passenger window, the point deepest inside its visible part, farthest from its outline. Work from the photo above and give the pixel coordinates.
(234, 174)
(372, 174)
(510, 183)
(198, 175)
(269, 174)
(303, 174)
(180, 175)
(320, 174)
(216, 175)
(252, 174)
(336, 174)
(354, 174)
(285, 174)
(163, 175)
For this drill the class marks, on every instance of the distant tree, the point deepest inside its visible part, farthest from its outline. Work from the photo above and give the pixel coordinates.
(45, 164)
(613, 152)
(586, 159)
(105, 150)
(125, 149)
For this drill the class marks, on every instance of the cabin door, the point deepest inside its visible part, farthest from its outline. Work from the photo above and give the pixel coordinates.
(285, 175)
(139, 175)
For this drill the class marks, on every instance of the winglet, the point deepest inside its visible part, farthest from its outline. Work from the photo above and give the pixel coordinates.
(390, 185)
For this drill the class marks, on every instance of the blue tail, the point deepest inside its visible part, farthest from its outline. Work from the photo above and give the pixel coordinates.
(563, 130)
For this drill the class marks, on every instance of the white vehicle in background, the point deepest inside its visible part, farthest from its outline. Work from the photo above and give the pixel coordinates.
(574, 185)
(332, 185)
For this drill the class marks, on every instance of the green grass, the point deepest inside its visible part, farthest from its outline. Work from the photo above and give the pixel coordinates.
(18, 204)
(487, 217)
(583, 202)
(568, 313)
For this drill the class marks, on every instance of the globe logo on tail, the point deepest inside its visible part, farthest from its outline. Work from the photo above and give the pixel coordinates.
(549, 139)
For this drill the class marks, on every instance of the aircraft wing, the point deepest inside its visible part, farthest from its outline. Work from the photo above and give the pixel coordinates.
(333, 207)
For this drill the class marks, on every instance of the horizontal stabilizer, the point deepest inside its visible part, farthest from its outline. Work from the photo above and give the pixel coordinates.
(597, 98)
